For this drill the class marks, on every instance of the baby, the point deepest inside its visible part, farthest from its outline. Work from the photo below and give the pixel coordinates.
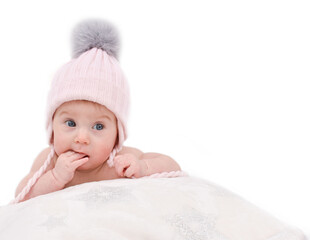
(87, 113)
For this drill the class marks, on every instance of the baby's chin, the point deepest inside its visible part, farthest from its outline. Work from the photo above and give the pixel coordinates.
(85, 167)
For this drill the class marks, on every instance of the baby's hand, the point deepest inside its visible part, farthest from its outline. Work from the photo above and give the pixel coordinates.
(66, 165)
(128, 165)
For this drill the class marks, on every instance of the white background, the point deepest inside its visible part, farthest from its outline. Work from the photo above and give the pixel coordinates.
(221, 86)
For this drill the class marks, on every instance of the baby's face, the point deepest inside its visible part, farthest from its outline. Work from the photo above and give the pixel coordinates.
(87, 128)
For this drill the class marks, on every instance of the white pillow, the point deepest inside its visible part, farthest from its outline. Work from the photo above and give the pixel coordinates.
(162, 208)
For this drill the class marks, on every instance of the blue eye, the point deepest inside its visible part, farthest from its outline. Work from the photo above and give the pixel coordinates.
(98, 126)
(70, 123)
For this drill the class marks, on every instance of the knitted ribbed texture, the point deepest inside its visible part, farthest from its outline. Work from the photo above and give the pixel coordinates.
(93, 76)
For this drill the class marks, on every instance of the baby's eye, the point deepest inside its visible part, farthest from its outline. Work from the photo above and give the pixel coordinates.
(98, 126)
(70, 123)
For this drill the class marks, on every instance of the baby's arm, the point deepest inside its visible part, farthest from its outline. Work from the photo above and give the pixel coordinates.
(45, 184)
(55, 178)
(131, 162)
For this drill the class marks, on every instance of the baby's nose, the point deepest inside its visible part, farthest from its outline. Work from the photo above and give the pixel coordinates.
(82, 137)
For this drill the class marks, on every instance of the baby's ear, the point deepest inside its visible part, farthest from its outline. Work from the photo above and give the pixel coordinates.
(116, 141)
(52, 138)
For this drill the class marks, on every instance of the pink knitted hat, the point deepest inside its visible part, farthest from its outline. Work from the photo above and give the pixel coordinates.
(94, 74)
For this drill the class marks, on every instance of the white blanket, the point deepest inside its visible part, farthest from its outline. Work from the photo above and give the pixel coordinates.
(164, 208)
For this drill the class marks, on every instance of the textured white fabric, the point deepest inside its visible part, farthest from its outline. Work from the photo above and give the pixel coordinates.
(161, 208)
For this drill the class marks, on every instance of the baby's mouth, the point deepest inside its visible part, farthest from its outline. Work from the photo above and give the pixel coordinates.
(84, 155)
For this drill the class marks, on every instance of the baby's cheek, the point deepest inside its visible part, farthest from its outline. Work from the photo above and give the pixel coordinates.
(103, 151)
(58, 149)
(60, 145)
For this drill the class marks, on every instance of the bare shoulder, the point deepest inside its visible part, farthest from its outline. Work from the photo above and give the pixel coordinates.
(131, 150)
(40, 159)
(140, 154)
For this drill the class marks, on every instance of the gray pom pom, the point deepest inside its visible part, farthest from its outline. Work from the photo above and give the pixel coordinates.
(94, 34)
